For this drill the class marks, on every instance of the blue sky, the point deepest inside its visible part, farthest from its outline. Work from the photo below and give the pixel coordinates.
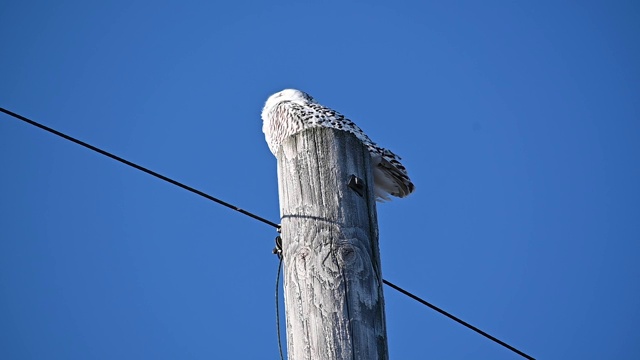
(518, 122)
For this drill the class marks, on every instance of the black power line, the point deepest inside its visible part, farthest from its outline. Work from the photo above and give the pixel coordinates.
(141, 168)
(458, 320)
(259, 218)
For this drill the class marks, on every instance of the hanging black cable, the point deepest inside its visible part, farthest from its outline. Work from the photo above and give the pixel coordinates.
(278, 307)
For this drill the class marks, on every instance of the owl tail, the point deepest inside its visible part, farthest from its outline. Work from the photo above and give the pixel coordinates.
(389, 180)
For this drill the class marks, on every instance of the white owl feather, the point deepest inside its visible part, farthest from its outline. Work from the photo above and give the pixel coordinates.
(291, 111)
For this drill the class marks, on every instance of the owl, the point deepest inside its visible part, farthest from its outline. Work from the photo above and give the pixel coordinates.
(291, 111)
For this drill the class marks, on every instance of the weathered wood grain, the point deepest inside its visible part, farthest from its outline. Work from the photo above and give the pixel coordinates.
(332, 277)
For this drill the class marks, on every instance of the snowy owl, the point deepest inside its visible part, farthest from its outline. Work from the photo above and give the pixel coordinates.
(291, 111)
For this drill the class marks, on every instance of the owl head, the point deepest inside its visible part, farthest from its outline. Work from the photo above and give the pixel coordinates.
(292, 95)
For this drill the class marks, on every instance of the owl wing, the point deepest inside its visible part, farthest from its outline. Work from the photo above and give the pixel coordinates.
(390, 176)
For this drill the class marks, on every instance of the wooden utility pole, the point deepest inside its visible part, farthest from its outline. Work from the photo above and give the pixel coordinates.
(332, 277)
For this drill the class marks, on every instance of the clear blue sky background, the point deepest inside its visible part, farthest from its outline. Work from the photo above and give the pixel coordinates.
(518, 121)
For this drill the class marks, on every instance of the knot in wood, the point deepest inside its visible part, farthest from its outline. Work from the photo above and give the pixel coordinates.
(347, 254)
(301, 258)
